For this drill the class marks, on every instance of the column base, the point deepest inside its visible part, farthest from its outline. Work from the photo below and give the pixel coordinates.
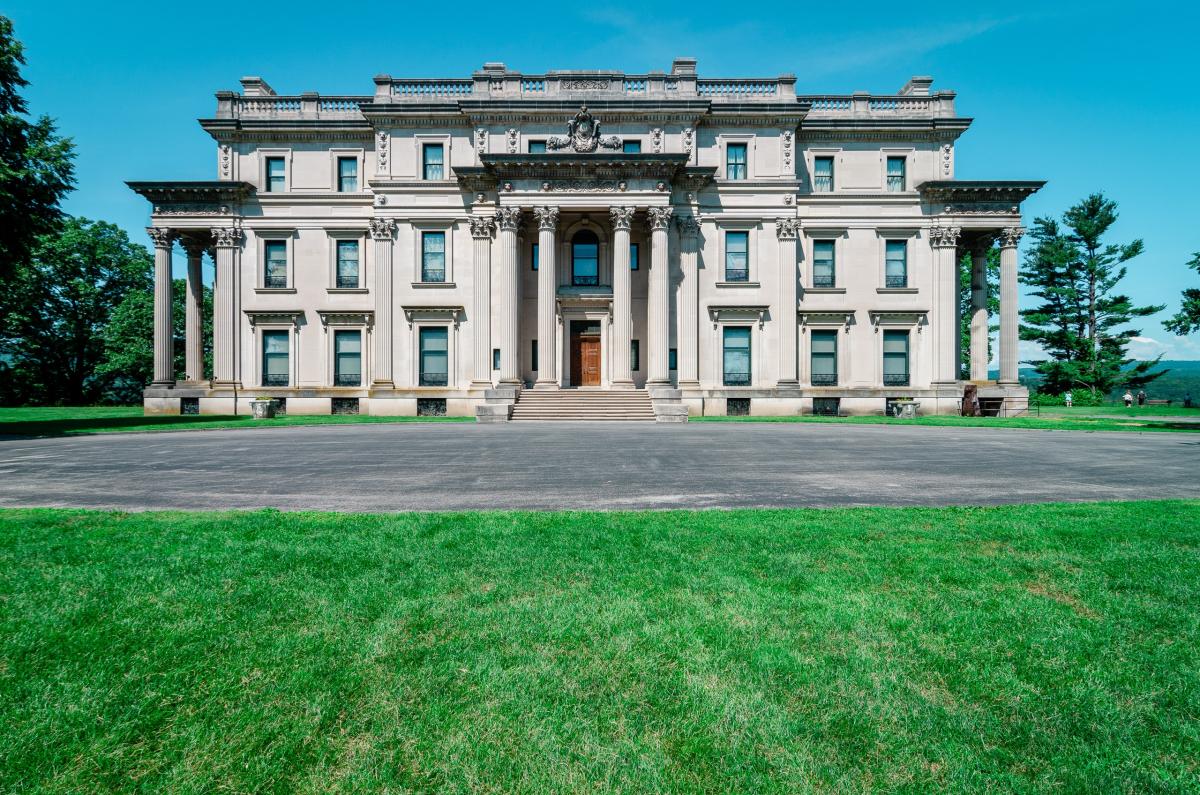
(163, 384)
(385, 383)
(481, 385)
(1005, 382)
(546, 384)
(659, 383)
(193, 383)
(622, 384)
(788, 382)
(227, 384)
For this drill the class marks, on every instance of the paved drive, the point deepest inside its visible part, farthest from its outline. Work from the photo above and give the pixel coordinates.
(593, 466)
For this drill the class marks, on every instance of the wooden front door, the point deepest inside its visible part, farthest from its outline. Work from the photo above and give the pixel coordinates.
(585, 353)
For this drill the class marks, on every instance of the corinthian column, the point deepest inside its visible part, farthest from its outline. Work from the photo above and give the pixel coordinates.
(228, 241)
(944, 240)
(481, 316)
(689, 240)
(193, 331)
(1008, 305)
(658, 311)
(547, 218)
(508, 276)
(787, 229)
(979, 310)
(382, 230)
(622, 324)
(164, 341)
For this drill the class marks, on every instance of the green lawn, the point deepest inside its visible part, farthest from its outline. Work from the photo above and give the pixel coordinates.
(76, 420)
(1108, 418)
(1030, 648)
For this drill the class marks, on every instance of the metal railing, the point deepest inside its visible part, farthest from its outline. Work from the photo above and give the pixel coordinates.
(822, 280)
(274, 379)
(895, 379)
(824, 379)
(347, 379)
(434, 379)
(347, 282)
(737, 274)
(275, 280)
(737, 379)
(893, 280)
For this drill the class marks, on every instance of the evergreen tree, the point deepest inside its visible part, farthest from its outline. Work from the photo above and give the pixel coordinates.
(1187, 319)
(1082, 323)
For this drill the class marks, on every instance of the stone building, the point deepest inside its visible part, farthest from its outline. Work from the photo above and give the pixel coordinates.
(591, 244)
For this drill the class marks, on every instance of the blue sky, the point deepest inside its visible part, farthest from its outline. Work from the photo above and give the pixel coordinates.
(1088, 96)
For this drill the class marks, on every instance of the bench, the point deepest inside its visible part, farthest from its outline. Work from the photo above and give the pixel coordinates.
(1159, 402)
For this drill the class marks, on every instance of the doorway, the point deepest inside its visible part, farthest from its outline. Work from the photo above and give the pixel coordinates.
(585, 353)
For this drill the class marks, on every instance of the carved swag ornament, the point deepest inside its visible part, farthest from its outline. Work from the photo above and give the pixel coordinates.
(583, 135)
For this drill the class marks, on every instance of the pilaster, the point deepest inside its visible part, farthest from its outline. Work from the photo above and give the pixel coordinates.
(482, 228)
(787, 230)
(944, 240)
(689, 299)
(382, 232)
(228, 242)
(658, 313)
(622, 323)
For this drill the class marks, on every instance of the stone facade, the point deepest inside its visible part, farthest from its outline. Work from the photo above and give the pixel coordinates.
(705, 239)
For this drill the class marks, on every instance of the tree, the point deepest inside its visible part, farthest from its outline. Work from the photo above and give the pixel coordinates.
(1187, 319)
(1082, 323)
(62, 300)
(992, 274)
(36, 169)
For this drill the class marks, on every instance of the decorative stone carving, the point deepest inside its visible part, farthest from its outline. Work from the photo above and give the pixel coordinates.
(225, 161)
(382, 142)
(689, 136)
(193, 246)
(947, 160)
(660, 217)
(382, 228)
(509, 218)
(601, 185)
(227, 236)
(622, 217)
(547, 217)
(787, 228)
(481, 136)
(511, 137)
(1010, 236)
(688, 225)
(161, 236)
(583, 135)
(584, 85)
(482, 226)
(191, 208)
(944, 236)
(656, 140)
(786, 140)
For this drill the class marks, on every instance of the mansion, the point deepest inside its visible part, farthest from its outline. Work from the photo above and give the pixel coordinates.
(586, 244)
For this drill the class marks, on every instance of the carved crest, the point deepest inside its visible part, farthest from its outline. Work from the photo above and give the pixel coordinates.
(583, 135)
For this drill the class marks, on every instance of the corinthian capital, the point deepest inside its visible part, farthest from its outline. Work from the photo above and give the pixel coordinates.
(482, 226)
(162, 237)
(509, 218)
(382, 228)
(944, 236)
(226, 236)
(547, 218)
(622, 217)
(1010, 236)
(787, 228)
(689, 225)
(660, 217)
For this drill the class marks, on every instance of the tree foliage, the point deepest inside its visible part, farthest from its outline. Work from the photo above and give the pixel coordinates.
(1187, 319)
(1082, 322)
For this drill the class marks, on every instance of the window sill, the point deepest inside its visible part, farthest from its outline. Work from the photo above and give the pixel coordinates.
(738, 284)
(275, 290)
(826, 290)
(347, 290)
(901, 290)
(433, 285)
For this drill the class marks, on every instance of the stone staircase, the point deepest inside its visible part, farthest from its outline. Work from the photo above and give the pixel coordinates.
(627, 405)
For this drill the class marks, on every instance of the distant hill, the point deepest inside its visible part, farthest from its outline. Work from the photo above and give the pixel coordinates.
(1183, 376)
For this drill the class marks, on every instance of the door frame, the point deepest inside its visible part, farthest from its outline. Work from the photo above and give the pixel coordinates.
(574, 314)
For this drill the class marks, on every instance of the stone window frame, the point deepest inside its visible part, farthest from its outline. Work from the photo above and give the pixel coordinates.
(261, 238)
(839, 235)
(420, 140)
(810, 163)
(332, 323)
(719, 318)
(419, 226)
(724, 140)
(414, 346)
(906, 152)
(753, 228)
(286, 154)
(914, 322)
(333, 236)
(292, 326)
(883, 236)
(337, 154)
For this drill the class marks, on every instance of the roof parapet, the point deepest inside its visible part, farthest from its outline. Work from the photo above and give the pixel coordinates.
(256, 87)
(917, 86)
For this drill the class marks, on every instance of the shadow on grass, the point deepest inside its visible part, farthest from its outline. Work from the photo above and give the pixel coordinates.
(67, 427)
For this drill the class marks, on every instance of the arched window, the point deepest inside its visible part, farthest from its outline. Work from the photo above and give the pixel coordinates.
(585, 258)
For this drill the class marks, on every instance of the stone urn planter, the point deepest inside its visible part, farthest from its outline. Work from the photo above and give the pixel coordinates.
(907, 410)
(264, 408)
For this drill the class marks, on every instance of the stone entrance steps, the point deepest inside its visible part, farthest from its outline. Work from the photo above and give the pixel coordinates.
(627, 405)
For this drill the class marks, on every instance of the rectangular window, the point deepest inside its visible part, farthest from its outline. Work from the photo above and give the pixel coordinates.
(827, 407)
(673, 359)
(895, 174)
(737, 356)
(495, 358)
(347, 174)
(737, 256)
(432, 161)
(822, 174)
(633, 256)
(347, 264)
(895, 358)
(896, 264)
(824, 358)
(347, 358)
(274, 263)
(533, 257)
(433, 256)
(635, 355)
(824, 267)
(435, 356)
(275, 358)
(276, 175)
(533, 356)
(631, 147)
(537, 147)
(735, 161)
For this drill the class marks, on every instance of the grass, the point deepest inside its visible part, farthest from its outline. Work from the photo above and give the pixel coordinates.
(79, 420)
(1029, 648)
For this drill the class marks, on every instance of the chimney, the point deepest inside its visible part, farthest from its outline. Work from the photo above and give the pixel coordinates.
(256, 87)
(917, 86)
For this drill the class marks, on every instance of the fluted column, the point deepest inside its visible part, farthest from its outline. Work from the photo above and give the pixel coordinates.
(481, 317)
(689, 299)
(979, 310)
(508, 294)
(228, 241)
(787, 229)
(658, 306)
(547, 218)
(193, 331)
(1009, 334)
(622, 323)
(944, 240)
(164, 337)
(382, 232)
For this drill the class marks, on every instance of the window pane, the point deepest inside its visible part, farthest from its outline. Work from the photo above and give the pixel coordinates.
(631, 147)
(534, 258)
(896, 264)
(673, 359)
(895, 173)
(737, 256)
(433, 256)
(275, 266)
(433, 161)
(635, 355)
(633, 256)
(347, 174)
(347, 363)
(737, 356)
(895, 358)
(585, 262)
(735, 161)
(434, 359)
(347, 263)
(276, 175)
(823, 174)
(275, 358)
(537, 147)
(824, 270)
